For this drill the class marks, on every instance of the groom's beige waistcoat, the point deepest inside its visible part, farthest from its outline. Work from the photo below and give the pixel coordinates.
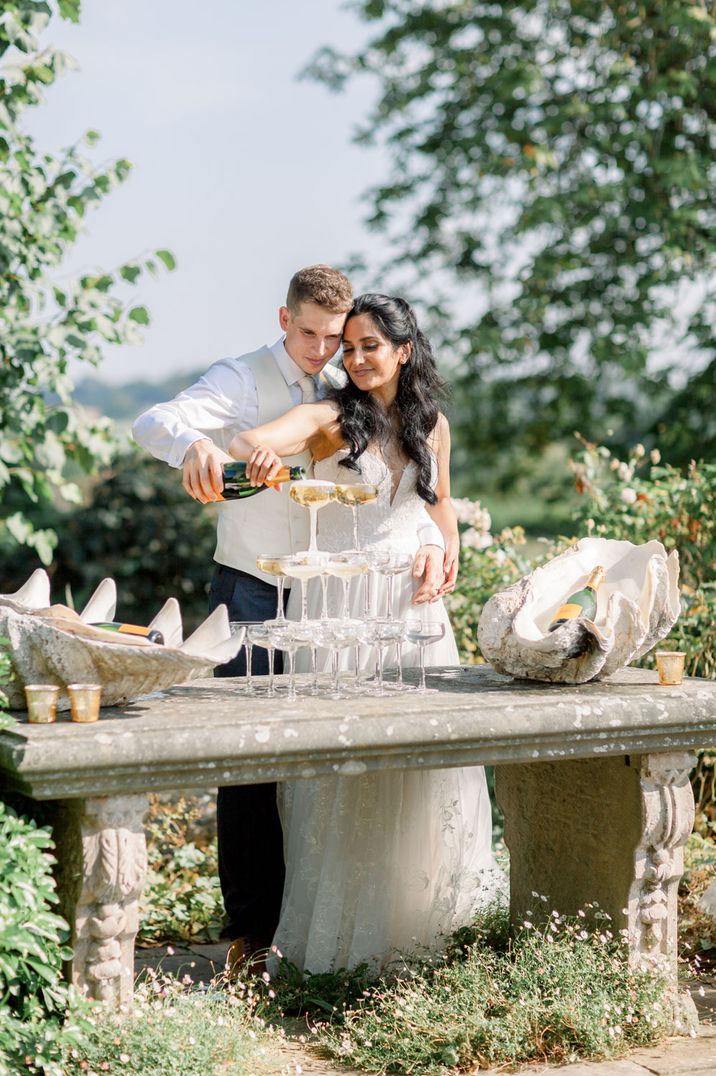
(269, 522)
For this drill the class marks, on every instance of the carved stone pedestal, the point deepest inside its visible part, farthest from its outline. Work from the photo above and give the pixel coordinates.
(610, 831)
(102, 866)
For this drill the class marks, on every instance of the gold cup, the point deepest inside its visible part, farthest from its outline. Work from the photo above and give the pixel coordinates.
(84, 701)
(670, 666)
(41, 703)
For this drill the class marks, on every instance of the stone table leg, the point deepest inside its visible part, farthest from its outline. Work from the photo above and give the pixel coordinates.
(610, 831)
(101, 869)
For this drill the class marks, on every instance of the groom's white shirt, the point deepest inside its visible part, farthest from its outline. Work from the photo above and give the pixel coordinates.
(225, 397)
(223, 402)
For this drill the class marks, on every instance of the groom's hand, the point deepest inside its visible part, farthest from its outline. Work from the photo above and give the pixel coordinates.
(428, 569)
(202, 476)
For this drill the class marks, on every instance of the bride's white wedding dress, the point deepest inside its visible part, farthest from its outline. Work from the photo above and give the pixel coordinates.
(390, 861)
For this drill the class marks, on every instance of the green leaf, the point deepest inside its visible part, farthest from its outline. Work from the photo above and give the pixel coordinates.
(140, 314)
(130, 272)
(167, 257)
(70, 9)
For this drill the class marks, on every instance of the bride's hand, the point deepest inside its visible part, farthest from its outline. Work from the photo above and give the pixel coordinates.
(428, 568)
(451, 564)
(262, 465)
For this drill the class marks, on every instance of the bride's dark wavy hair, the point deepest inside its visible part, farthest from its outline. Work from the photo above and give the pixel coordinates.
(416, 407)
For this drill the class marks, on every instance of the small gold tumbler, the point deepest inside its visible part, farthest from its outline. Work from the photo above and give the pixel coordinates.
(670, 665)
(41, 703)
(84, 701)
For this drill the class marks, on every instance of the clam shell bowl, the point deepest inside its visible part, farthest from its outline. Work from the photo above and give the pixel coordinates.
(637, 606)
(50, 644)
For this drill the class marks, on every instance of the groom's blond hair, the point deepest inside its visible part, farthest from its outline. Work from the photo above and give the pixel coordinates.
(323, 285)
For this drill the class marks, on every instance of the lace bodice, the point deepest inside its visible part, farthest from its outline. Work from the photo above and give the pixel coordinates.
(387, 522)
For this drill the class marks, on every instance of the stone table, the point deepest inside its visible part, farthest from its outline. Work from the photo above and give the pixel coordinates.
(593, 781)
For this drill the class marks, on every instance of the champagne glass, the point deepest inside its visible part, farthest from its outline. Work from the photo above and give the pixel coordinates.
(260, 635)
(240, 627)
(354, 495)
(382, 632)
(377, 559)
(424, 632)
(284, 637)
(305, 632)
(397, 564)
(345, 566)
(304, 566)
(312, 494)
(271, 564)
(400, 684)
(336, 634)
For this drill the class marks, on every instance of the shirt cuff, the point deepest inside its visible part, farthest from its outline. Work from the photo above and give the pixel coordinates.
(182, 443)
(430, 534)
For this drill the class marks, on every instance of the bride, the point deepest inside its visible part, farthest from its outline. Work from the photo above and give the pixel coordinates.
(391, 861)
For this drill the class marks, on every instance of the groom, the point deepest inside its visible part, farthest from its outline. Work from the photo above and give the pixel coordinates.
(192, 431)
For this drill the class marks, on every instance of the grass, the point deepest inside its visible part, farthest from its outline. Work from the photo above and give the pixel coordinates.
(560, 993)
(175, 1029)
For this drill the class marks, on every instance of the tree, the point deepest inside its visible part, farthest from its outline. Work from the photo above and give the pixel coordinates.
(553, 165)
(44, 198)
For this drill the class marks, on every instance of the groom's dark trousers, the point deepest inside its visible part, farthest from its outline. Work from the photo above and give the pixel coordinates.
(251, 867)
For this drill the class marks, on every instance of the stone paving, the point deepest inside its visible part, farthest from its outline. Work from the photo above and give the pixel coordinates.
(674, 1057)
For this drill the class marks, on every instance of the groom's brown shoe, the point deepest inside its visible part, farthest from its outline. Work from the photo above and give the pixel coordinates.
(247, 956)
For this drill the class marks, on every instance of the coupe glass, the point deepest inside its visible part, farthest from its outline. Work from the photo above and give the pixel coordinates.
(354, 495)
(271, 564)
(397, 564)
(382, 632)
(312, 494)
(345, 566)
(260, 635)
(377, 559)
(305, 632)
(304, 566)
(336, 634)
(424, 632)
(240, 627)
(285, 637)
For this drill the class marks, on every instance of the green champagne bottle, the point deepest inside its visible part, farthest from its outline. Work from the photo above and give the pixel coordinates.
(237, 486)
(130, 629)
(583, 603)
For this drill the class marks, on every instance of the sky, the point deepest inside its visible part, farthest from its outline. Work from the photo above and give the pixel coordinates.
(244, 172)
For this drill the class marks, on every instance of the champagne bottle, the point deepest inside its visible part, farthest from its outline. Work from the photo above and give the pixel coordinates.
(237, 486)
(130, 629)
(583, 603)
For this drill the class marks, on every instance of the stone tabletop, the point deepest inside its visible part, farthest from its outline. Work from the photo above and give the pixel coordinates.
(208, 732)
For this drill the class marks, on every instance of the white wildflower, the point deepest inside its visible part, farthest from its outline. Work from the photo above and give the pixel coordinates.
(472, 513)
(624, 472)
(628, 495)
(474, 539)
(499, 556)
(638, 451)
(655, 455)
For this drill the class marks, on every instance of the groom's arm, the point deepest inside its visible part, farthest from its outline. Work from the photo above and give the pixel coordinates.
(191, 430)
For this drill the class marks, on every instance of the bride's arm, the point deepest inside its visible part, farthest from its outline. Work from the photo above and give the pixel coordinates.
(442, 512)
(299, 430)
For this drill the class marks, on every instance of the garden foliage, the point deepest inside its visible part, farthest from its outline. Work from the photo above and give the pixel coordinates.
(182, 900)
(176, 1030)
(640, 499)
(39, 1015)
(636, 499)
(48, 321)
(552, 183)
(555, 993)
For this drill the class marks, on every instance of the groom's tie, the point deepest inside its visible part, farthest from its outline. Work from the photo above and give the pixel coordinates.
(308, 388)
